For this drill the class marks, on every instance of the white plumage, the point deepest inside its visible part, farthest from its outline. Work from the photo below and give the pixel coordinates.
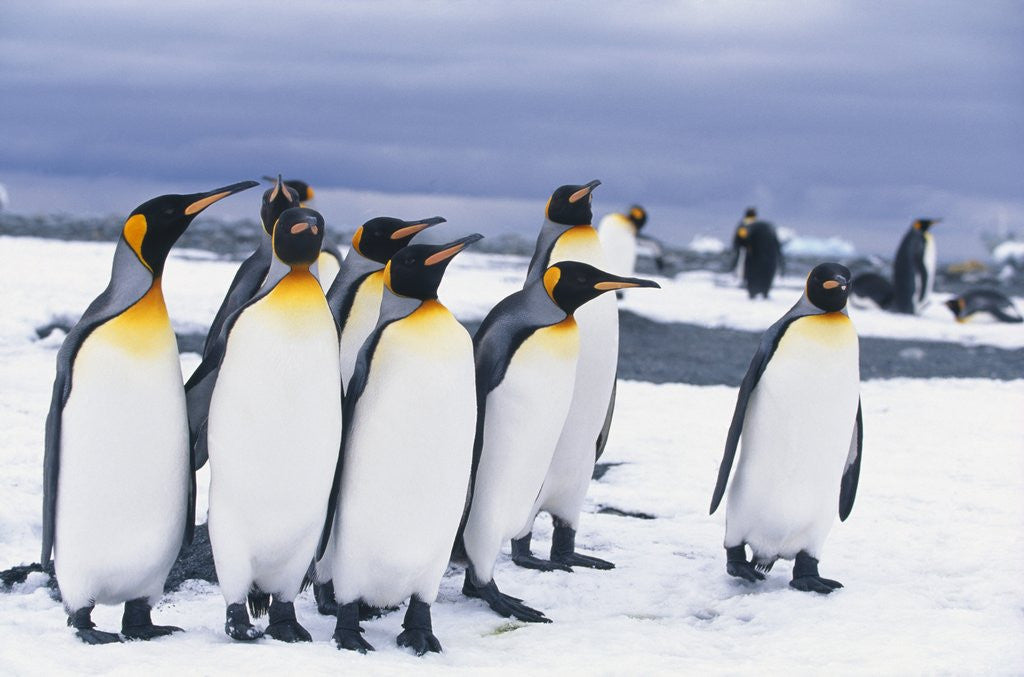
(618, 239)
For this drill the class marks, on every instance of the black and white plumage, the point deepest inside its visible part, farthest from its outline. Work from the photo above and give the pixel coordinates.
(118, 491)
(913, 268)
(998, 305)
(798, 413)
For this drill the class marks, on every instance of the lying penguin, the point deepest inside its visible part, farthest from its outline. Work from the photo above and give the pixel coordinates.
(799, 415)
(998, 305)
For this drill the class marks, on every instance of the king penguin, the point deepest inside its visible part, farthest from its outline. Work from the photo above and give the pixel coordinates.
(913, 269)
(799, 415)
(567, 235)
(118, 490)
(621, 237)
(527, 350)
(328, 263)
(355, 298)
(400, 485)
(254, 269)
(757, 244)
(996, 304)
(273, 433)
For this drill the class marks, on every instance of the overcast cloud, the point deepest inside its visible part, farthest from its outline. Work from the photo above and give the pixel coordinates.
(846, 118)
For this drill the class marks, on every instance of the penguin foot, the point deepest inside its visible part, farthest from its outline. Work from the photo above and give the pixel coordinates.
(815, 584)
(563, 549)
(323, 593)
(736, 564)
(136, 622)
(806, 578)
(238, 626)
(283, 625)
(420, 641)
(347, 633)
(574, 559)
(523, 556)
(504, 605)
(418, 634)
(91, 636)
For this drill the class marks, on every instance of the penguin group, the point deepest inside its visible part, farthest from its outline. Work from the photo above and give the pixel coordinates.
(359, 438)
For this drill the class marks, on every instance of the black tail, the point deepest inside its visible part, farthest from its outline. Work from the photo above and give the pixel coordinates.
(259, 602)
(1004, 316)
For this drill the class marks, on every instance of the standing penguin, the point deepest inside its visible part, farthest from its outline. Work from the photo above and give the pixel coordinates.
(273, 433)
(799, 413)
(118, 491)
(254, 269)
(913, 269)
(757, 243)
(567, 235)
(328, 263)
(527, 349)
(355, 298)
(620, 236)
(400, 486)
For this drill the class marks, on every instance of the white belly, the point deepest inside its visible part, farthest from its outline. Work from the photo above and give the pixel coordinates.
(524, 417)
(407, 463)
(929, 265)
(618, 239)
(796, 437)
(327, 269)
(123, 482)
(274, 438)
(566, 483)
(362, 319)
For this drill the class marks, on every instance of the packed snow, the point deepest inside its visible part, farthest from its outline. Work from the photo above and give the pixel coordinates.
(932, 556)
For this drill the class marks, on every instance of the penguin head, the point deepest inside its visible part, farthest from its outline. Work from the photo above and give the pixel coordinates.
(570, 205)
(956, 306)
(750, 215)
(416, 270)
(154, 226)
(924, 224)
(301, 188)
(828, 285)
(379, 239)
(637, 215)
(275, 201)
(298, 236)
(570, 284)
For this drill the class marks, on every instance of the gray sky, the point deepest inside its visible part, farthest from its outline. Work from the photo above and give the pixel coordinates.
(844, 118)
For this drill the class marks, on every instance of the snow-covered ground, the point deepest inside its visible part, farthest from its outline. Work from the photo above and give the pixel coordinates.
(932, 556)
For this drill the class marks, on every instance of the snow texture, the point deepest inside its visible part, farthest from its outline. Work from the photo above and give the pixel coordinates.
(932, 556)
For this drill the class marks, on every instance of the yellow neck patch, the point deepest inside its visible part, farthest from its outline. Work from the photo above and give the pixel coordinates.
(551, 277)
(387, 276)
(356, 239)
(144, 328)
(134, 233)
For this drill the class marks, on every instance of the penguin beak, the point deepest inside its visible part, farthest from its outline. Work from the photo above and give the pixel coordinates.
(447, 251)
(584, 191)
(611, 282)
(277, 188)
(414, 228)
(201, 201)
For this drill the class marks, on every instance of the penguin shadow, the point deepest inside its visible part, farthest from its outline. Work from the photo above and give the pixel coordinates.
(600, 470)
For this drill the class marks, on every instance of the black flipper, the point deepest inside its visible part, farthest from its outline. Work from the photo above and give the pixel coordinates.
(851, 474)
(602, 437)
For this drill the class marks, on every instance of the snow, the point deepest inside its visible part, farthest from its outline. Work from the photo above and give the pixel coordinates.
(705, 244)
(1011, 251)
(932, 556)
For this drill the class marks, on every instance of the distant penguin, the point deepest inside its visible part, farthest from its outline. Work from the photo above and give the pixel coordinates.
(401, 482)
(799, 414)
(527, 349)
(354, 299)
(913, 269)
(567, 235)
(118, 490)
(620, 236)
(273, 434)
(988, 301)
(758, 245)
(329, 262)
(871, 290)
(254, 269)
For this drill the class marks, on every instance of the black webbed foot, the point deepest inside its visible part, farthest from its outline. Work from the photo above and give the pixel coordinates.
(737, 565)
(237, 624)
(283, 625)
(86, 631)
(523, 556)
(323, 593)
(347, 633)
(806, 578)
(418, 634)
(563, 549)
(136, 622)
(504, 605)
